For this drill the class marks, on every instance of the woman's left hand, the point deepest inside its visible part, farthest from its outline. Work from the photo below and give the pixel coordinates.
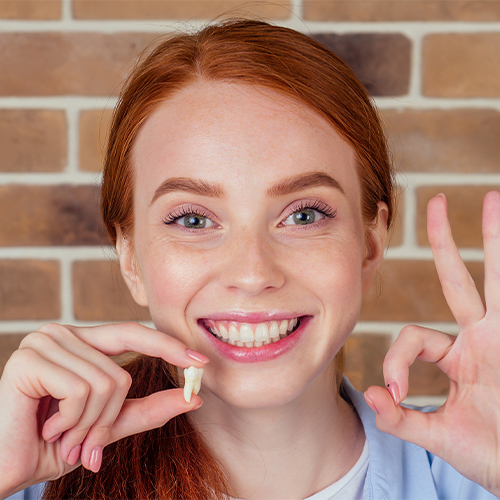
(465, 431)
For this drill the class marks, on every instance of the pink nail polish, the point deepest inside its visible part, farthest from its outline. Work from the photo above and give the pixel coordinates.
(370, 404)
(53, 439)
(392, 387)
(74, 455)
(197, 356)
(95, 459)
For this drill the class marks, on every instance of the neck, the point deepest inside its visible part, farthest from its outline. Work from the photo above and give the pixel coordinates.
(285, 452)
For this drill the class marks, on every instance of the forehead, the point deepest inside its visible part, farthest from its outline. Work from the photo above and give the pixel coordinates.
(238, 134)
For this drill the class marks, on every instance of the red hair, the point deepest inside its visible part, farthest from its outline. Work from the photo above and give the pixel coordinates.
(172, 462)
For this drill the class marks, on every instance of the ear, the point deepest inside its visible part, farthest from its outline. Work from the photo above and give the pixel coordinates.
(129, 267)
(375, 237)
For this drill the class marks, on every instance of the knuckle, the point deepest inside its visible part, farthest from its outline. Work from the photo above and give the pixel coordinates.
(20, 358)
(34, 340)
(123, 380)
(409, 331)
(104, 385)
(81, 389)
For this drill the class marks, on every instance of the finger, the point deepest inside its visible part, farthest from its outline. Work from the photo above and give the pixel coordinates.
(113, 340)
(414, 426)
(491, 238)
(102, 387)
(42, 378)
(414, 342)
(140, 415)
(458, 287)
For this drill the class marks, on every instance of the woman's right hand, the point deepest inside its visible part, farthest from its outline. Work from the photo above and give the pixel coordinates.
(62, 399)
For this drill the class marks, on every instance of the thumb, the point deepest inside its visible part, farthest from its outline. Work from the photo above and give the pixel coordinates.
(410, 425)
(151, 412)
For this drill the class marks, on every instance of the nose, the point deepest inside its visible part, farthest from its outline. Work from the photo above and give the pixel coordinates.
(251, 265)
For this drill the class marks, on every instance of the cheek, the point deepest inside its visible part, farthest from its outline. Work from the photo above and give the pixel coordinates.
(172, 276)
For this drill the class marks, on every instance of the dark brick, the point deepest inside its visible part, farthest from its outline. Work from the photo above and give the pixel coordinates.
(381, 61)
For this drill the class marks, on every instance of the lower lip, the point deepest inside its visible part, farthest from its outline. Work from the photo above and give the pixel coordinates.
(257, 354)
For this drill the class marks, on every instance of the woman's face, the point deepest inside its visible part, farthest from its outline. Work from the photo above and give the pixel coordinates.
(248, 225)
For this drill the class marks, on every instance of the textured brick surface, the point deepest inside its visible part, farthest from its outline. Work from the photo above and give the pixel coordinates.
(30, 9)
(29, 289)
(380, 61)
(32, 140)
(50, 215)
(364, 357)
(461, 65)
(100, 294)
(94, 127)
(9, 342)
(401, 10)
(54, 63)
(434, 140)
(409, 291)
(427, 379)
(178, 9)
(465, 205)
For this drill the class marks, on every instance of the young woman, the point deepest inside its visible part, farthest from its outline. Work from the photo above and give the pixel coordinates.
(248, 191)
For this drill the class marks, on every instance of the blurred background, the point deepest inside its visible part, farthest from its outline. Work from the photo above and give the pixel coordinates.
(432, 67)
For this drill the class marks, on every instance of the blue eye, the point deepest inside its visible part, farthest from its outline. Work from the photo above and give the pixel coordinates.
(194, 221)
(303, 217)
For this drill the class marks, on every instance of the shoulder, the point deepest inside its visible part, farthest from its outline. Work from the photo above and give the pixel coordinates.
(402, 470)
(34, 492)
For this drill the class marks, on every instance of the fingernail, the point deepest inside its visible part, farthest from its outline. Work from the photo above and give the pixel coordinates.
(95, 459)
(370, 404)
(392, 387)
(74, 455)
(197, 356)
(53, 439)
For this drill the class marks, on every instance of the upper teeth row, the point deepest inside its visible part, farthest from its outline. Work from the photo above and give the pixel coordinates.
(234, 332)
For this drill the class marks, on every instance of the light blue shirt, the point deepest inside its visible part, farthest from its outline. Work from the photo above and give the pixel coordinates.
(398, 470)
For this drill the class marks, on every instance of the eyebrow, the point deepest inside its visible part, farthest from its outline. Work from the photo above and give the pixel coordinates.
(189, 185)
(287, 186)
(303, 181)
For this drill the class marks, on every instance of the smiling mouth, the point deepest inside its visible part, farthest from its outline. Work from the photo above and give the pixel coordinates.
(251, 334)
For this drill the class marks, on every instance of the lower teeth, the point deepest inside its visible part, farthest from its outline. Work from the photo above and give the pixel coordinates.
(255, 343)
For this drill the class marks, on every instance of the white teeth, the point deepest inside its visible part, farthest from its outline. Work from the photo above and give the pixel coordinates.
(246, 333)
(251, 335)
(192, 382)
(261, 332)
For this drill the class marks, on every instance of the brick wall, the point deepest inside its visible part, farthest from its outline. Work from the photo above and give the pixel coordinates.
(432, 66)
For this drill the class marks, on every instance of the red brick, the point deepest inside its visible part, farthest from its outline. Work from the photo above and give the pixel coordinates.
(50, 215)
(461, 65)
(100, 294)
(395, 235)
(409, 291)
(94, 129)
(465, 204)
(30, 9)
(29, 290)
(380, 60)
(398, 10)
(426, 379)
(52, 63)
(178, 9)
(32, 140)
(365, 354)
(434, 140)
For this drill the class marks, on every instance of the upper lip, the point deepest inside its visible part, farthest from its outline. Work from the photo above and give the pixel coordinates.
(252, 317)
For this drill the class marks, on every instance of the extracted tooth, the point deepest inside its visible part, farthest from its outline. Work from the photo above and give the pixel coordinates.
(192, 382)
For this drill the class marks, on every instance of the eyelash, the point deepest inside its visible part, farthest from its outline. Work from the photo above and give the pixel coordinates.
(182, 212)
(317, 205)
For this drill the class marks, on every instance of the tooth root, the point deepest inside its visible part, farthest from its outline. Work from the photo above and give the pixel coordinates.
(197, 386)
(188, 390)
